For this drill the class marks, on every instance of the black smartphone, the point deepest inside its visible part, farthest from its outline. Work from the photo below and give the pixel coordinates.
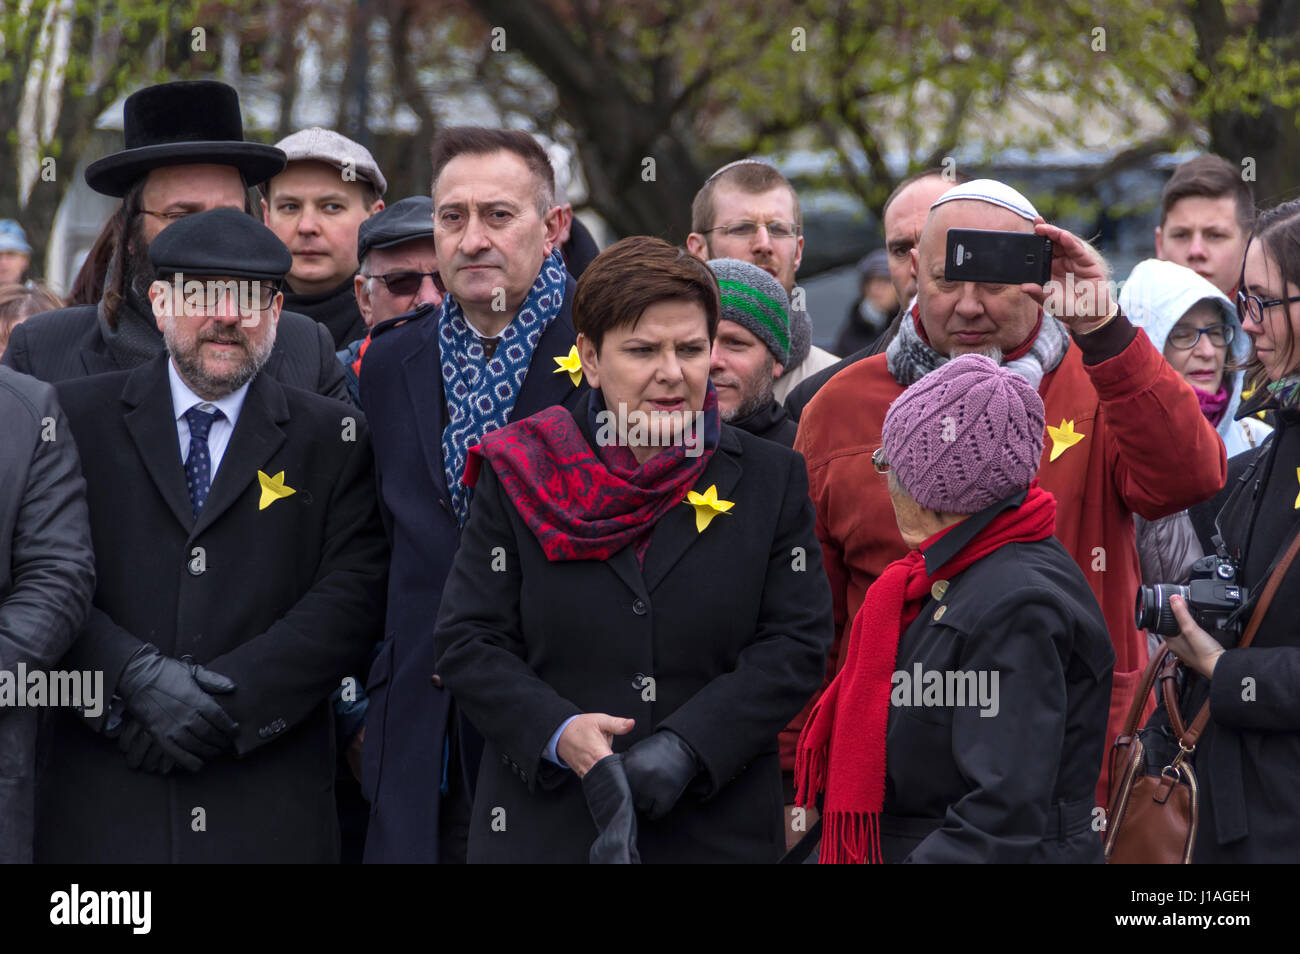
(998, 258)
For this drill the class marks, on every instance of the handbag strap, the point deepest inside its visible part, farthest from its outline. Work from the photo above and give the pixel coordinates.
(1143, 690)
(1194, 731)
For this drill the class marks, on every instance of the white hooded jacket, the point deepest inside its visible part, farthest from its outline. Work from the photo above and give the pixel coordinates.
(1156, 295)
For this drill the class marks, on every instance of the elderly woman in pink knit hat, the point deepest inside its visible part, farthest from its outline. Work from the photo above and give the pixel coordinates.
(968, 722)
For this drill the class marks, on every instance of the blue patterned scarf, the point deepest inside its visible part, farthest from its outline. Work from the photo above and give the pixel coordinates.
(481, 393)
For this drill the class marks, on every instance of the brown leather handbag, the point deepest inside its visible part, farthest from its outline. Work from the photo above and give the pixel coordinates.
(1152, 819)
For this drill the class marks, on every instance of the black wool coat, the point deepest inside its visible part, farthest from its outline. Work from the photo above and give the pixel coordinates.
(68, 343)
(1247, 762)
(771, 422)
(1017, 786)
(722, 638)
(410, 716)
(286, 601)
(47, 573)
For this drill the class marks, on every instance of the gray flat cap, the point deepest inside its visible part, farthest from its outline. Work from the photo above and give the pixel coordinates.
(325, 145)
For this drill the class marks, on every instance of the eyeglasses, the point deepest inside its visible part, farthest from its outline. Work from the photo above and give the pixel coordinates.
(167, 216)
(1185, 338)
(249, 297)
(408, 283)
(879, 462)
(746, 229)
(1252, 306)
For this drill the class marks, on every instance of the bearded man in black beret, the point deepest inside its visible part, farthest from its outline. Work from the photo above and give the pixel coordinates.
(242, 573)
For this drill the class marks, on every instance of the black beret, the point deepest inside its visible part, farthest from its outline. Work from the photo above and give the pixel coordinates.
(220, 242)
(402, 221)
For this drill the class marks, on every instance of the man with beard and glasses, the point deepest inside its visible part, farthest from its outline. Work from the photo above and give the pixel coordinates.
(185, 153)
(241, 571)
(1117, 415)
(751, 349)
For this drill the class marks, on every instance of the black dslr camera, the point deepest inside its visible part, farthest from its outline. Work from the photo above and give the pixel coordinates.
(1213, 595)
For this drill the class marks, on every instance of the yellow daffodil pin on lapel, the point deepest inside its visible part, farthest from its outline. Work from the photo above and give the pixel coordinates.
(707, 506)
(572, 364)
(273, 489)
(1063, 438)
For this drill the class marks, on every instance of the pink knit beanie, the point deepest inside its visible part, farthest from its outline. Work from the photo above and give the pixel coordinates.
(965, 436)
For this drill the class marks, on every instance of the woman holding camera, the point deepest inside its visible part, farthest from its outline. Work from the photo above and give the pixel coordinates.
(1248, 758)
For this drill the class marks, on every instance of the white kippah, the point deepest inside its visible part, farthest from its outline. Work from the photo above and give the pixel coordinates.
(993, 192)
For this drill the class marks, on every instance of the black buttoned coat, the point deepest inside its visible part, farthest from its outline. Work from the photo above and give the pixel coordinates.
(285, 600)
(722, 638)
(1016, 785)
(1248, 759)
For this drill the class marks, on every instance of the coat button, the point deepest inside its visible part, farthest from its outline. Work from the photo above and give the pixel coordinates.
(639, 607)
(437, 681)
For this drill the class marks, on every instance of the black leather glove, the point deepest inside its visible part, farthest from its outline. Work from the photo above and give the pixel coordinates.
(142, 750)
(170, 698)
(658, 770)
(609, 798)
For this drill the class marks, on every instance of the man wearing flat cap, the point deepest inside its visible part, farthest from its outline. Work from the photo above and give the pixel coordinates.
(185, 153)
(330, 185)
(398, 273)
(241, 576)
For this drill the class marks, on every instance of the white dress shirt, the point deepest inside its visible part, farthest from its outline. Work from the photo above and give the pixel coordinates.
(183, 399)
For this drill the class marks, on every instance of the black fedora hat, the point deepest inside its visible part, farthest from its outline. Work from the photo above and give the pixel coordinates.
(175, 124)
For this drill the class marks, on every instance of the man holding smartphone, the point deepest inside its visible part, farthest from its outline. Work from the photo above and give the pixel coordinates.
(1117, 415)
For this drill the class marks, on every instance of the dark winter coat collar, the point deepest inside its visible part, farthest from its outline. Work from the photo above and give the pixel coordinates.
(955, 540)
(770, 421)
(151, 421)
(336, 309)
(676, 530)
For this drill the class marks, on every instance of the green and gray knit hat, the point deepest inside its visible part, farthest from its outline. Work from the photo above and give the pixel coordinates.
(754, 299)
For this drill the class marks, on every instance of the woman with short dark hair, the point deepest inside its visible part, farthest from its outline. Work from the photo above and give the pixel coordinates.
(640, 585)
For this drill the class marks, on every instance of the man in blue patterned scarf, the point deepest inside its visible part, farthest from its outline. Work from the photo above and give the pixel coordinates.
(436, 380)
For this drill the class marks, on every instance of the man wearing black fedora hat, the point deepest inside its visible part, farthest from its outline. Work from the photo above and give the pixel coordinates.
(185, 153)
(242, 571)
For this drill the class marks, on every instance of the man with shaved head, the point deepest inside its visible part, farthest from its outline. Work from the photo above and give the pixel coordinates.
(903, 217)
(1117, 417)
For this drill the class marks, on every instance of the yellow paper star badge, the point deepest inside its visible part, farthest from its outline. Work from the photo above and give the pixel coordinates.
(1297, 499)
(707, 506)
(1063, 438)
(571, 363)
(273, 489)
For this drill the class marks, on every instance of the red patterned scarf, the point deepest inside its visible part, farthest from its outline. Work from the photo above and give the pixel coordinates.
(583, 504)
(842, 748)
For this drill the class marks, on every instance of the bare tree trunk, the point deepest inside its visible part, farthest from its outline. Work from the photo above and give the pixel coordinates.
(1268, 143)
(638, 163)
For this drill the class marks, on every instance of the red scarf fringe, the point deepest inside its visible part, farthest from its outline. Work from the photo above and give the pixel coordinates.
(841, 753)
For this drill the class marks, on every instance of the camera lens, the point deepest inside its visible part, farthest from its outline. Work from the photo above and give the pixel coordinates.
(1153, 612)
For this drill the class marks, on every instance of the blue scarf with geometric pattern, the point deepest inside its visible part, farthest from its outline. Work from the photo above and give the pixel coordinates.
(481, 392)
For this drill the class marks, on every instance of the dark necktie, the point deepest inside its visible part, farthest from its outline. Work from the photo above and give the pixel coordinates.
(198, 465)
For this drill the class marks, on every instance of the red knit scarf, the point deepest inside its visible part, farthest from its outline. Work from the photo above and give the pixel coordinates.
(583, 504)
(841, 750)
